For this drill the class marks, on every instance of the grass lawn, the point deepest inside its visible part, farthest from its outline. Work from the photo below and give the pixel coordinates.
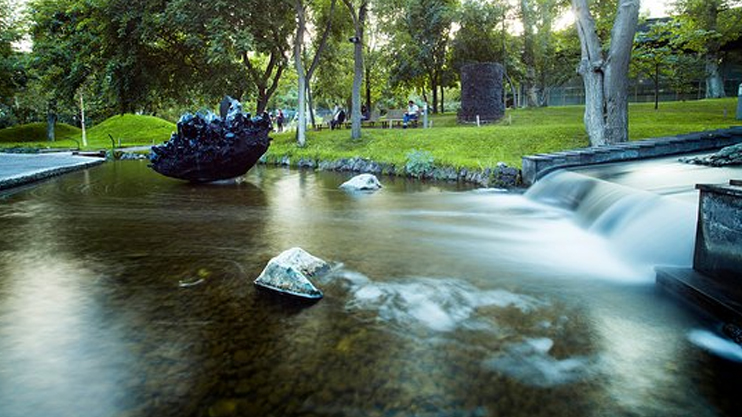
(131, 129)
(521, 132)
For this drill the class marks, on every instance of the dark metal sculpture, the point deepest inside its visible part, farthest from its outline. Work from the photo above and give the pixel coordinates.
(208, 147)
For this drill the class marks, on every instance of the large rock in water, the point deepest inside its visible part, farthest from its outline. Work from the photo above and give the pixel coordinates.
(208, 147)
(289, 273)
(362, 182)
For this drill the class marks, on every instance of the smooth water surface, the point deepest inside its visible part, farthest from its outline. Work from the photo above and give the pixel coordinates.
(125, 293)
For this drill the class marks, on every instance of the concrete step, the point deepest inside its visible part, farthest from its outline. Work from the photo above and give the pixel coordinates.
(718, 297)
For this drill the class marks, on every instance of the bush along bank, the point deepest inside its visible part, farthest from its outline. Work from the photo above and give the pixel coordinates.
(500, 176)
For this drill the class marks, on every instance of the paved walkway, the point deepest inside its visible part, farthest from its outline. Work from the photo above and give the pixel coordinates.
(21, 169)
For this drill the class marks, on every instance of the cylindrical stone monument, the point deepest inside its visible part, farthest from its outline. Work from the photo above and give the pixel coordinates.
(481, 93)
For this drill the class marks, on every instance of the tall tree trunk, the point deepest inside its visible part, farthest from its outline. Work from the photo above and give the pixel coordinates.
(714, 82)
(530, 89)
(51, 120)
(359, 22)
(368, 88)
(710, 18)
(442, 101)
(656, 79)
(315, 63)
(301, 127)
(311, 107)
(434, 87)
(606, 78)
(82, 121)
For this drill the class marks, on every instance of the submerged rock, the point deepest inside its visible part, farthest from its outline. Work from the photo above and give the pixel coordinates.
(362, 182)
(208, 147)
(289, 273)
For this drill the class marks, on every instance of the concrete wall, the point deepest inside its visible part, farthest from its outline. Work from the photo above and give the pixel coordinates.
(536, 166)
(719, 234)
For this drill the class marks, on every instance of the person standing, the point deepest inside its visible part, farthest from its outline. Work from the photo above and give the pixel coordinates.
(279, 120)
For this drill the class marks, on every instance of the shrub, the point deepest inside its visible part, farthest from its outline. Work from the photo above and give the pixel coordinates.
(418, 162)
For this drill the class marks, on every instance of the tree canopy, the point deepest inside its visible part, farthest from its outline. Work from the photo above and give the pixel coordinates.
(163, 56)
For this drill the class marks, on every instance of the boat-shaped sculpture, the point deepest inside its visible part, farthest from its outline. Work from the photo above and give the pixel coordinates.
(207, 147)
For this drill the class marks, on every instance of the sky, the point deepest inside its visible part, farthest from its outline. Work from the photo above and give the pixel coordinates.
(655, 8)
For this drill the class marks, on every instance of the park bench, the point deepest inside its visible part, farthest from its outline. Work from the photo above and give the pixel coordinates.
(395, 117)
(371, 121)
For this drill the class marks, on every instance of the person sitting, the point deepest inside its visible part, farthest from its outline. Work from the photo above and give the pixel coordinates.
(364, 113)
(337, 120)
(413, 112)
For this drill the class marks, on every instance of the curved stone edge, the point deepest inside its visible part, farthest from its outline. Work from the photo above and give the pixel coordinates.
(501, 175)
(43, 174)
(536, 166)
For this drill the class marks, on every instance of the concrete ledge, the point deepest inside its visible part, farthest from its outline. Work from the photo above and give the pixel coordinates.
(21, 169)
(713, 296)
(535, 167)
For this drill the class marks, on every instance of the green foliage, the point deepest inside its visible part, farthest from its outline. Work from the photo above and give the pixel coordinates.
(478, 38)
(11, 68)
(419, 162)
(420, 39)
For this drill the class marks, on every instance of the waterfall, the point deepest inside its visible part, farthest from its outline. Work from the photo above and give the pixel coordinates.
(644, 227)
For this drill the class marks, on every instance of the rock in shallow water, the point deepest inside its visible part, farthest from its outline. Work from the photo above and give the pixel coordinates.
(362, 182)
(289, 273)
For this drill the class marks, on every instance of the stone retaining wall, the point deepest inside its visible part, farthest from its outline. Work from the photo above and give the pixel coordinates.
(536, 166)
(501, 176)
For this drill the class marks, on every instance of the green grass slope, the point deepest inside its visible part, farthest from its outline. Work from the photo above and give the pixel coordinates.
(521, 132)
(129, 129)
(33, 135)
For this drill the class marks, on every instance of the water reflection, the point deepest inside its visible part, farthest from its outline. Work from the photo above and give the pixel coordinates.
(448, 302)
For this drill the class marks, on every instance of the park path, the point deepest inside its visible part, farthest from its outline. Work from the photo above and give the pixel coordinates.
(21, 169)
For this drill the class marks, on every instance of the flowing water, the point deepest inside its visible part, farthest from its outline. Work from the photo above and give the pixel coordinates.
(124, 293)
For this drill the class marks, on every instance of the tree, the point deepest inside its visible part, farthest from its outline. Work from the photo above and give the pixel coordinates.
(237, 49)
(605, 74)
(539, 50)
(64, 54)
(652, 55)
(478, 39)
(11, 70)
(358, 13)
(420, 42)
(706, 26)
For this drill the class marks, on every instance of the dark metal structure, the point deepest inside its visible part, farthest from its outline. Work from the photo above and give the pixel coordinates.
(207, 147)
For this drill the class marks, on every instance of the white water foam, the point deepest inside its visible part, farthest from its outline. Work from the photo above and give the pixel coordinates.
(441, 305)
(530, 363)
(715, 344)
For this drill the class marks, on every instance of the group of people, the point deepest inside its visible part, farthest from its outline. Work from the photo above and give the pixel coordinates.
(278, 119)
(339, 116)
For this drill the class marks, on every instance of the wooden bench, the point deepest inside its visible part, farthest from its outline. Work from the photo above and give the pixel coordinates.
(371, 121)
(395, 118)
